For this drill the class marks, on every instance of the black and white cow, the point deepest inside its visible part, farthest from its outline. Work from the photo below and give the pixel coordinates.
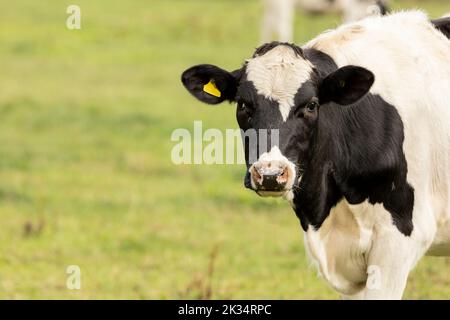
(363, 114)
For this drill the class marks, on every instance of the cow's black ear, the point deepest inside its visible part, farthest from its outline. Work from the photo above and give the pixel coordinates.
(346, 85)
(210, 84)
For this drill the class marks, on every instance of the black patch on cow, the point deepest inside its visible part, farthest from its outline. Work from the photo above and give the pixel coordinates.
(356, 153)
(265, 116)
(269, 46)
(442, 25)
(384, 9)
(323, 64)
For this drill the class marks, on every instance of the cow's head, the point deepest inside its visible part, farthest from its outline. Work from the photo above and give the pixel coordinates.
(278, 89)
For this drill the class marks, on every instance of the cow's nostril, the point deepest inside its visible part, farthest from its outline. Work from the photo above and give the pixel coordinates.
(271, 182)
(283, 176)
(257, 178)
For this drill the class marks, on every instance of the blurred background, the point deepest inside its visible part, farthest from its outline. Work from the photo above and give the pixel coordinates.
(86, 176)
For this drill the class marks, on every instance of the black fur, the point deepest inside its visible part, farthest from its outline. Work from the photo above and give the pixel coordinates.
(442, 25)
(269, 46)
(384, 9)
(358, 154)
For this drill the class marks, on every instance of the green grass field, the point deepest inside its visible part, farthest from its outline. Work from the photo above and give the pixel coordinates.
(85, 171)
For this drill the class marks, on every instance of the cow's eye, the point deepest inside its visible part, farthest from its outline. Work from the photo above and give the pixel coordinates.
(312, 106)
(245, 107)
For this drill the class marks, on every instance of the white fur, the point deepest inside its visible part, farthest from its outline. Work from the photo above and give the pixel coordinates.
(277, 75)
(411, 63)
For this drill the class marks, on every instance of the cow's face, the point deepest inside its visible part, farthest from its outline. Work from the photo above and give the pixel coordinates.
(278, 93)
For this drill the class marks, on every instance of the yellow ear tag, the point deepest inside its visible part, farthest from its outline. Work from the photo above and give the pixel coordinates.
(211, 88)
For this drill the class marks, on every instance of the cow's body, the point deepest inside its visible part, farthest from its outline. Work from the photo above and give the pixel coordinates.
(367, 172)
(411, 63)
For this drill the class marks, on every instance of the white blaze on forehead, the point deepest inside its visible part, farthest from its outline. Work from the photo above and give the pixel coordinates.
(272, 155)
(278, 75)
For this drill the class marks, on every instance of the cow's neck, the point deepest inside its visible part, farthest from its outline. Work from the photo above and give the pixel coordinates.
(356, 154)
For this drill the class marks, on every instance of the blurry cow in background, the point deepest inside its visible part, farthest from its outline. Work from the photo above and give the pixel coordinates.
(278, 21)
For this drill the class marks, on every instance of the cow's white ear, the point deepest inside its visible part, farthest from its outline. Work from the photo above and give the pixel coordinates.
(346, 85)
(210, 84)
